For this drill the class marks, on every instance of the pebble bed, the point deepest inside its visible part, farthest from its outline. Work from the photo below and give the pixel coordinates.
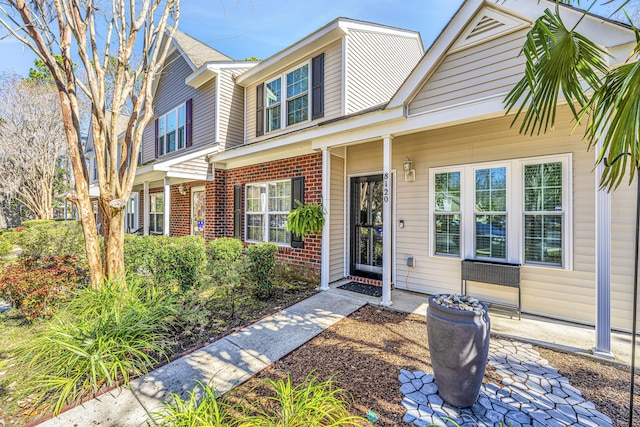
(532, 394)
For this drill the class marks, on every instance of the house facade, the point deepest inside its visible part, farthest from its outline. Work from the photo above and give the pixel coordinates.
(412, 156)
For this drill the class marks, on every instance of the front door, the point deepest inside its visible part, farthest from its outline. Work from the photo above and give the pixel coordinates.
(366, 226)
(197, 211)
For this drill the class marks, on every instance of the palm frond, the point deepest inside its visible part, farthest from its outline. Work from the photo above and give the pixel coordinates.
(557, 61)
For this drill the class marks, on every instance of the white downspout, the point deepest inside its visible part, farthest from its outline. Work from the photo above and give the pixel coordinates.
(603, 266)
(386, 223)
(167, 205)
(145, 208)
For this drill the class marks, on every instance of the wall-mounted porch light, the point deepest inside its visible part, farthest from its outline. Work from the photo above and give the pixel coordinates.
(409, 172)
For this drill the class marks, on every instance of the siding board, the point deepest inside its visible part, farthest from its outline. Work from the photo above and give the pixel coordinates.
(565, 294)
(337, 243)
(480, 71)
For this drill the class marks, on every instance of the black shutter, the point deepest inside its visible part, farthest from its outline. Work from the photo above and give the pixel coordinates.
(188, 128)
(260, 110)
(317, 87)
(237, 211)
(156, 137)
(297, 193)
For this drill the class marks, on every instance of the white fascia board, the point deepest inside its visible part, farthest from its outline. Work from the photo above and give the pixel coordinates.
(347, 25)
(338, 128)
(435, 53)
(489, 107)
(292, 54)
(277, 153)
(187, 175)
(201, 152)
(213, 69)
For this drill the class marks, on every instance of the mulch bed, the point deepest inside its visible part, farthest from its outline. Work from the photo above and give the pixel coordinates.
(365, 352)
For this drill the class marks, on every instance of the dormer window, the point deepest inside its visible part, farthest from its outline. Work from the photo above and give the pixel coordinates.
(297, 94)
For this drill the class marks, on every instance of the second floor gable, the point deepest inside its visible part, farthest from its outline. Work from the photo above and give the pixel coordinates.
(196, 103)
(343, 68)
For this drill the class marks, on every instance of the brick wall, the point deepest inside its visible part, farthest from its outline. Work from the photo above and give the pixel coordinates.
(219, 202)
(309, 166)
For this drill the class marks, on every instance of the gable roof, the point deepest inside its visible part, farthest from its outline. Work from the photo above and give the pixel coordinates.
(478, 21)
(195, 52)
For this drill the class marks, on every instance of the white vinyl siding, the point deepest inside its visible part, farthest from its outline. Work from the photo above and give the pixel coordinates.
(484, 70)
(567, 293)
(337, 224)
(377, 64)
(231, 126)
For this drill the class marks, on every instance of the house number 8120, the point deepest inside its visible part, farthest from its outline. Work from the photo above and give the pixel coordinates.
(386, 188)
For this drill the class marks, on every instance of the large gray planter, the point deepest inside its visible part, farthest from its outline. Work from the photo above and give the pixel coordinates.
(459, 346)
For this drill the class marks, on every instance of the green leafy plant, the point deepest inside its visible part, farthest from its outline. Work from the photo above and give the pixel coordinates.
(202, 408)
(261, 263)
(176, 261)
(312, 403)
(53, 238)
(225, 266)
(306, 219)
(102, 337)
(38, 285)
(6, 246)
(224, 249)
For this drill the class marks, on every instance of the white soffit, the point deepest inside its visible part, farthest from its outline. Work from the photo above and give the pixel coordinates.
(488, 24)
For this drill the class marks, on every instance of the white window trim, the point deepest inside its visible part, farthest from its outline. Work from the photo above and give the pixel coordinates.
(284, 99)
(515, 208)
(265, 213)
(165, 142)
(135, 198)
(152, 214)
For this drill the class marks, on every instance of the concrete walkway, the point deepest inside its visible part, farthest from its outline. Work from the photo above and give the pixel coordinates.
(234, 359)
(226, 362)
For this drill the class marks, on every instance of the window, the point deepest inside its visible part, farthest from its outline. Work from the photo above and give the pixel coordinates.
(543, 213)
(267, 207)
(491, 213)
(513, 211)
(447, 213)
(290, 98)
(156, 213)
(172, 131)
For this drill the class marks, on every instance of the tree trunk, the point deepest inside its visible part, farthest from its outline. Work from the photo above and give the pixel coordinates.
(91, 241)
(114, 243)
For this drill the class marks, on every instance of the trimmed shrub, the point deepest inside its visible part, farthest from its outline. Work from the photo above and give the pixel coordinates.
(53, 238)
(36, 222)
(101, 337)
(139, 254)
(166, 260)
(224, 249)
(5, 245)
(180, 260)
(261, 263)
(38, 285)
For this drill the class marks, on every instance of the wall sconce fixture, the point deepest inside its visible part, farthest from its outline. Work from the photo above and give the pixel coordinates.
(409, 172)
(182, 190)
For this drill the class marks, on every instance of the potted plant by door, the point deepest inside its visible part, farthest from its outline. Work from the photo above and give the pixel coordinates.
(305, 219)
(458, 330)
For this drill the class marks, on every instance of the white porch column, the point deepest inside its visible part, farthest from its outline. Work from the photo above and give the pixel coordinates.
(386, 221)
(603, 267)
(145, 208)
(326, 204)
(167, 205)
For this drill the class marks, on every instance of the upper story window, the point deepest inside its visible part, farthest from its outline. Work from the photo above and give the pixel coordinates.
(291, 98)
(514, 211)
(173, 130)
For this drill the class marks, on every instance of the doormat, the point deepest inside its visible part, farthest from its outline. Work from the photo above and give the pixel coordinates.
(362, 288)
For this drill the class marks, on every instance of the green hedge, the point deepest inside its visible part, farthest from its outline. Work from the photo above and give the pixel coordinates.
(52, 238)
(261, 260)
(167, 260)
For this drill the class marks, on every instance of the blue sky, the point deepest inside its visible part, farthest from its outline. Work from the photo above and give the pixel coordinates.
(260, 28)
